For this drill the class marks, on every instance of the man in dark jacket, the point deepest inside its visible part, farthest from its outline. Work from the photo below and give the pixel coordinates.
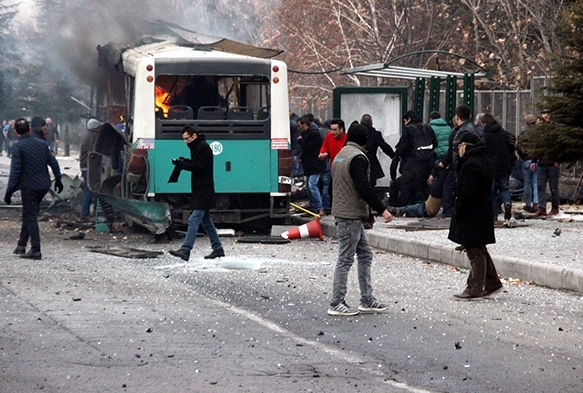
(310, 141)
(203, 199)
(413, 183)
(500, 147)
(38, 127)
(29, 174)
(375, 140)
(471, 224)
(353, 195)
(463, 123)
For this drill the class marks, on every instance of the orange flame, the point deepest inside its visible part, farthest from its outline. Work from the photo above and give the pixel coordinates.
(161, 96)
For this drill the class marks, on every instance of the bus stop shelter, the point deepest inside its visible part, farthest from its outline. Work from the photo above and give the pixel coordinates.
(421, 76)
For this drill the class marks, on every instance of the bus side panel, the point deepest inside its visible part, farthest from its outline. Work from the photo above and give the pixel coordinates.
(240, 166)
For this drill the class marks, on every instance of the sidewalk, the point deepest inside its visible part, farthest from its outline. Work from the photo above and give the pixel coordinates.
(530, 252)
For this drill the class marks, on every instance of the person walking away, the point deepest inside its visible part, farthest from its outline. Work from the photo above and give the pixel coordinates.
(87, 143)
(500, 147)
(375, 140)
(333, 143)
(442, 132)
(353, 194)
(471, 224)
(310, 141)
(200, 165)
(547, 172)
(415, 149)
(29, 174)
(529, 170)
(462, 124)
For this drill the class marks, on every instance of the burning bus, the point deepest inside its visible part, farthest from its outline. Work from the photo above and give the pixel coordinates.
(235, 94)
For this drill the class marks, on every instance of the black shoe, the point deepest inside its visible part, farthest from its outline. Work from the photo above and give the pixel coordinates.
(32, 255)
(180, 253)
(215, 254)
(507, 212)
(468, 295)
(19, 250)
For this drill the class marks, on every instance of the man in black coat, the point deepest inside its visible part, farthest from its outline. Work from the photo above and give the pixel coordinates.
(500, 147)
(375, 140)
(415, 172)
(203, 198)
(462, 123)
(471, 223)
(310, 140)
(29, 174)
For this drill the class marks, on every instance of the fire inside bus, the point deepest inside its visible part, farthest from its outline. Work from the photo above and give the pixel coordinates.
(236, 95)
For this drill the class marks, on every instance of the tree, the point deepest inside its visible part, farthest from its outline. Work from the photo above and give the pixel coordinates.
(562, 140)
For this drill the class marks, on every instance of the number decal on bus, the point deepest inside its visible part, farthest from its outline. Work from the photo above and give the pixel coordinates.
(217, 148)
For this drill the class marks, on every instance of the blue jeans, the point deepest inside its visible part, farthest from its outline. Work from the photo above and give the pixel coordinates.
(196, 219)
(326, 181)
(417, 210)
(88, 196)
(548, 174)
(314, 193)
(500, 188)
(352, 240)
(530, 179)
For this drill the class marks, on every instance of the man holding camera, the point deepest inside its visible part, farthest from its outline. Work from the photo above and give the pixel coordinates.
(200, 165)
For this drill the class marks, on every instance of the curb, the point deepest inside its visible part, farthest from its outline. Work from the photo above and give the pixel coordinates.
(546, 275)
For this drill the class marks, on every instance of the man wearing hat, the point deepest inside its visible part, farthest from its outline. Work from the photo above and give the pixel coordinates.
(88, 197)
(471, 223)
(352, 196)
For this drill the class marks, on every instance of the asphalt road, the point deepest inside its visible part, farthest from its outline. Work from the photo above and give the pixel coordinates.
(255, 321)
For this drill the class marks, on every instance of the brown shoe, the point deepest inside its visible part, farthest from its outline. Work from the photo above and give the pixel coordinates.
(540, 213)
(554, 211)
(493, 290)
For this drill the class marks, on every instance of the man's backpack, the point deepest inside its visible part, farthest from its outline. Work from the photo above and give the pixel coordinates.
(422, 143)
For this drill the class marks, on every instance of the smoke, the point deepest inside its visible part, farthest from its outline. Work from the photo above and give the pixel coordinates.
(75, 30)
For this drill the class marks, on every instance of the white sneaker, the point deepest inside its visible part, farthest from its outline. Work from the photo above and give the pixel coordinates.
(373, 306)
(341, 309)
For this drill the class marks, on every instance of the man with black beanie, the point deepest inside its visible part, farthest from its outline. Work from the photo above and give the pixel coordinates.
(352, 195)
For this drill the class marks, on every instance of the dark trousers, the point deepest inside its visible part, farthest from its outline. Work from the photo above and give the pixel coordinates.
(414, 186)
(483, 275)
(31, 200)
(548, 174)
(448, 189)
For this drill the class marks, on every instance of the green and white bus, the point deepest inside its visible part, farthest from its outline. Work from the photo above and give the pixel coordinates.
(235, 94)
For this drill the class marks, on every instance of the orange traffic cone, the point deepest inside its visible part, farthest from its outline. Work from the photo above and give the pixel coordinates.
(311, 229)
